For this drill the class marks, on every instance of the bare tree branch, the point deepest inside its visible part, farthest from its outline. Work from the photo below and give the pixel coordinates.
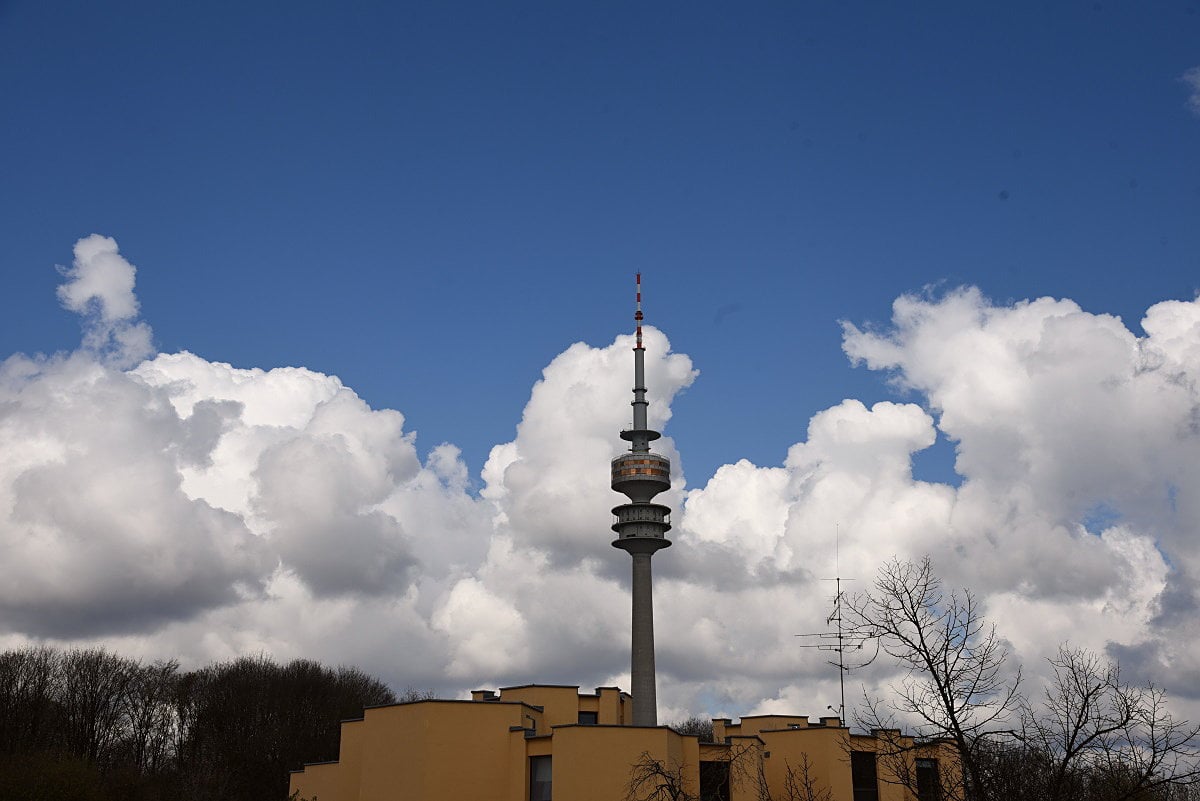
(956, 687)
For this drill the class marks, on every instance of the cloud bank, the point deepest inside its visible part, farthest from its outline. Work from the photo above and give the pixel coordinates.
(166, 505)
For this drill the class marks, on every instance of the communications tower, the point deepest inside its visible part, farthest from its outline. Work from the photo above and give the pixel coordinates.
(641, 529)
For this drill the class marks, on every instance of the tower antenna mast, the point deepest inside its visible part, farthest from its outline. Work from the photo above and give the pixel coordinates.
(637, 314)
(641, 527)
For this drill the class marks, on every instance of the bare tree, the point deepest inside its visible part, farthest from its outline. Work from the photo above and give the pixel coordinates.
(1092, 737)
(695, 726)
(746, 769)
(1092, 724)
(653, 779)
(930, 770)
(410, 694)
(956, 687)
(740, 766)
(799, 783)
(251, 721)
(93, 699)
(150, 717)
(230, 731)
(29, 689)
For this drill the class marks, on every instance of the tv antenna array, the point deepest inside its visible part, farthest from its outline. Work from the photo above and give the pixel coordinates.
(836, 639)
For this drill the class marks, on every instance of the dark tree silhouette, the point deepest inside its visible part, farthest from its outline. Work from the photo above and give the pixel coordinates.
(28, 692)
(695, 726)
(123, 730)
(255, 721)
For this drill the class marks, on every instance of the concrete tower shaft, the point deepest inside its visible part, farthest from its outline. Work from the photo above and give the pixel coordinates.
(641, 528)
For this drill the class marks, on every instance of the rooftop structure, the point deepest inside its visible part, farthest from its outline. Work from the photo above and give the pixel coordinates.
(547, 742)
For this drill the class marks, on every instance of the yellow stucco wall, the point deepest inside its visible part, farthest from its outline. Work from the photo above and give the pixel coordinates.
(563, 703)
(592, 763)
(422, 750)
(616, 708)
(435, 750)
(560, 703)
(322, 781)
(827, 761)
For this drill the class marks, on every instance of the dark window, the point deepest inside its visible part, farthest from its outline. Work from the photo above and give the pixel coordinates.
(862, 774)
(714, 781)
(539, 778)
(929, 784)
(589, 718)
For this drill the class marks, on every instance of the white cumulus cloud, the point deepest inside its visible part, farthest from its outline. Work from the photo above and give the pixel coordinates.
(173, 506)
(99, 286)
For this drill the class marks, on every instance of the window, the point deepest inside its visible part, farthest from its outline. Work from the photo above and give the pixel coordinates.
(929, 784)
(589, 718)
(714, 781)
(862, 774)
(539, 778)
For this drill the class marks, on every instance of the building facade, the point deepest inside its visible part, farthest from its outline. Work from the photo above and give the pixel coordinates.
(553, 743)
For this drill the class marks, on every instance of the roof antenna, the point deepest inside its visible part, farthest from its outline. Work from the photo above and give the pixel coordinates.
(840, 640)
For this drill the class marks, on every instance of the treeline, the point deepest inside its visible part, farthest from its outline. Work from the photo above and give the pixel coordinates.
(1018, 771)
(90, 725)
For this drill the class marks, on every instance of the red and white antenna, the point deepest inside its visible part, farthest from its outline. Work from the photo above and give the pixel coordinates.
(637, 315)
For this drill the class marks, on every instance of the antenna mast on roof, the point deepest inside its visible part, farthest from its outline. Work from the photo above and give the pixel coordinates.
(837, 641)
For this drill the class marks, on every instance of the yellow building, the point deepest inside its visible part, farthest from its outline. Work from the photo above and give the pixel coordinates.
(543, 742)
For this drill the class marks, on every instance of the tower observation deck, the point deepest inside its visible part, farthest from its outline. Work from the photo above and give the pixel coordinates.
(641, 528)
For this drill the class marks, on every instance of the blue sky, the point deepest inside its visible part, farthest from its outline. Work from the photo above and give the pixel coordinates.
(431, 200)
